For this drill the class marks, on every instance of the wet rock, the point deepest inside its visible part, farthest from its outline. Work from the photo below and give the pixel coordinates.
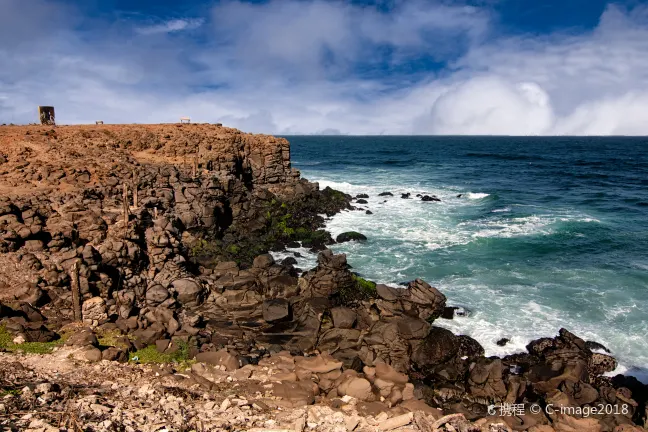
(469, 347)
(288, 261)
(362, 201)
(385, 194)
(362, 196)
(405, 195)
(350, 236)
(430, 198)
(503, 342)
(601, 363)
(439, 346)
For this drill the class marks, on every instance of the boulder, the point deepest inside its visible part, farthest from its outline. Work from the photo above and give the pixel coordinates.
(189, 292)
(359, 388)
(83, 337)
(219, 358)
(601, 363)
(275, 310)
(343, 317)
(30, 293)
(156, 294)
(387, 373)
(263, 261)
(114, 354)
(429, 198)
(350, 236)
(385, 194)
(439, 346)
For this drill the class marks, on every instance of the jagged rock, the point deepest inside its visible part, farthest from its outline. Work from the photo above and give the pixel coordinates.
(114, 354)
(343, 317)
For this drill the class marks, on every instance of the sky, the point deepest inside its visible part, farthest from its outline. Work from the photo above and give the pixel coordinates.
(477, 67)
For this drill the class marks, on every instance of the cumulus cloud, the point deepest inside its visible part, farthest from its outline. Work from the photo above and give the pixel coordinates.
(293, 67)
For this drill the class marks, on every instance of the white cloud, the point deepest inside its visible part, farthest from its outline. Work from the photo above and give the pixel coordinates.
(311, 66)
(171, 26)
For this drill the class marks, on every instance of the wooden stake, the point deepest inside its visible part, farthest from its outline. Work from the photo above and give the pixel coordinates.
(155, 213)
(125, 206)
(135, 188)
(76, 291)
(194, 168)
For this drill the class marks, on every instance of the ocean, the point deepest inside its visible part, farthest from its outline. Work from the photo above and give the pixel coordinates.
(532, 234)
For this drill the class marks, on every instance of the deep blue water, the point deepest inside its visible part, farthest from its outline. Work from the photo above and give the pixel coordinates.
(548, 232)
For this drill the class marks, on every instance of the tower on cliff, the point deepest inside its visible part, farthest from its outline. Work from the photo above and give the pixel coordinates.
(46, 115)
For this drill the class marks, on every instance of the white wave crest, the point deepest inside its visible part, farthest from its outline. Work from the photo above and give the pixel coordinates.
(476, 195)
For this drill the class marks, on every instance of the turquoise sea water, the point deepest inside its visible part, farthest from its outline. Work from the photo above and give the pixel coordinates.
(548, 232)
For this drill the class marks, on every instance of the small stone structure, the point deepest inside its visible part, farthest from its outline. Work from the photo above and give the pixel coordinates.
(46, 115)
(185, 120)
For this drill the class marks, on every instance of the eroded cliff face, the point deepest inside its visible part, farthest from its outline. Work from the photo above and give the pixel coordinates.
(135, 207)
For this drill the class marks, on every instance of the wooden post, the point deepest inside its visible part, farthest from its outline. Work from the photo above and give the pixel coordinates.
(135, 188)
(125, 206)
(155, 213)
(76, 291)
(194, 168)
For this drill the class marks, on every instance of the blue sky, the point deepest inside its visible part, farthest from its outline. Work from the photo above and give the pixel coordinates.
(515, 67)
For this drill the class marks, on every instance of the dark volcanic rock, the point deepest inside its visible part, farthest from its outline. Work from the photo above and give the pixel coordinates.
(503, 342)
(439, 346)
(430, 198)
(405, 195)
(362, 201)
(385, 194)
(288, 261)
(350, 236)
(362, 196)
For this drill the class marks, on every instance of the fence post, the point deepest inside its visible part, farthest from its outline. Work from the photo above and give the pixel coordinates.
(76, 292)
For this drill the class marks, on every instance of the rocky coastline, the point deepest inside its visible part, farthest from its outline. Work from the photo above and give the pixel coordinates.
(144, 250)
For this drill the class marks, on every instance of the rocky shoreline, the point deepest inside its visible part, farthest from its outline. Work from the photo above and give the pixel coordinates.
(150, 243)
